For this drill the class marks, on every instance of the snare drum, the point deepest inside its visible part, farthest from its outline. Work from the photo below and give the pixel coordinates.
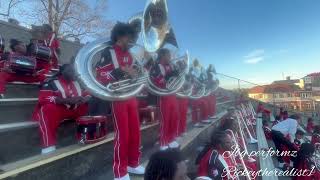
(42, 53)
(91, 129)
(21, 64)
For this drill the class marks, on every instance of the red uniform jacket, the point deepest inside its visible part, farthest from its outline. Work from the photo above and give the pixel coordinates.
(214, 165)
(307, 164)
(310, 127)
(108, 68)
(267, 132)
(59, 87)
(54, 44)
(315, 138)
(161, 74)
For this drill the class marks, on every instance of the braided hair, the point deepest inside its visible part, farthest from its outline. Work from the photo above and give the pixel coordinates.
(216, 139)
(306, 150)
(163, 165)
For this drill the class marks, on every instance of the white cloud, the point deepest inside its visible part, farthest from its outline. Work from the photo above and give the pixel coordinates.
(255, 53)
(254, 60)
(255, 56)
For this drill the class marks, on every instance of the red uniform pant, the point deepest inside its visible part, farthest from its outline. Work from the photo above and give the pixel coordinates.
(169, 119)
(6, 77)
(212, 105)
(183, 110)
(127, 136)
(199, 110)
(50, 116)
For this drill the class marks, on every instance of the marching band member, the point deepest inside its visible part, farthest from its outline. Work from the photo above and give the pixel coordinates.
(18, 48)
(183, 104)
(299, 138)
(279, 132)
(212, 97)
(266, 129)
(214, 160)
(116, 62)
(50, 40)
(303, 162)
(162, 72)
(59, 98)
(166, 165)
(231, 124)
(316, 135)
(199, 106)
(310, 125)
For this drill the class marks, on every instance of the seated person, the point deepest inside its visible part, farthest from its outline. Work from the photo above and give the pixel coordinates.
(18, 48)
(214, 160)
(231, 124)
(60, 98)
(316, 135)
(310, 125)
(166, 165)
(297, 142)
(303, 162)
(299, 138)
(266, 129)
(283, 134)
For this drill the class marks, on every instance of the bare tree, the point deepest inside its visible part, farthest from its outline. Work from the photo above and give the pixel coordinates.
(70, 18)
(7, 5)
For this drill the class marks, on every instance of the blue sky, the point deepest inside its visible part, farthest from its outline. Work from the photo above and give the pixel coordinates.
(255, 40)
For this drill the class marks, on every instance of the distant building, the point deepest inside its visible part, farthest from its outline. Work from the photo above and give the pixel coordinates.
(290, 94)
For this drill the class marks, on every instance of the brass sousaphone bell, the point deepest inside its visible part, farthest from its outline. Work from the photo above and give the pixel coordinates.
(154, 27)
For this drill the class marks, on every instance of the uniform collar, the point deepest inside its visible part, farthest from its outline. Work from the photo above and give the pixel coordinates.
(119, 48)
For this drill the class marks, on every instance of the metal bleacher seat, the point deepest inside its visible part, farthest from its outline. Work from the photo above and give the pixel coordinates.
(266, 163)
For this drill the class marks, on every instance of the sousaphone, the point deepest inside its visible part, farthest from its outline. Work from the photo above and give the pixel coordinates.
(154, 27)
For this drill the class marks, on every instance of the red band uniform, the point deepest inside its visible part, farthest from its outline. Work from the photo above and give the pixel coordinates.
(168, 105)
(6, 76)
(215, 165)
(49, 114)
(199, 109)
(54, 44)
(125, 113)
(183, 104)
(212, 104)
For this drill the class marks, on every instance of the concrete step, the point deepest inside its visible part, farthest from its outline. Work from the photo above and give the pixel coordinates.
(92, 161)
(22, 90)
(25, 142)
(16, 109)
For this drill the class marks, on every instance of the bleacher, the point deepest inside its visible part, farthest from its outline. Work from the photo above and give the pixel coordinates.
(20, 154)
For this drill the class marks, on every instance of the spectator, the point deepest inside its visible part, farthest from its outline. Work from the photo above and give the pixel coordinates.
(285, 128)
(316, 135)
(166, 165)
(310, 125)
(303, 162)
(299, 138)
